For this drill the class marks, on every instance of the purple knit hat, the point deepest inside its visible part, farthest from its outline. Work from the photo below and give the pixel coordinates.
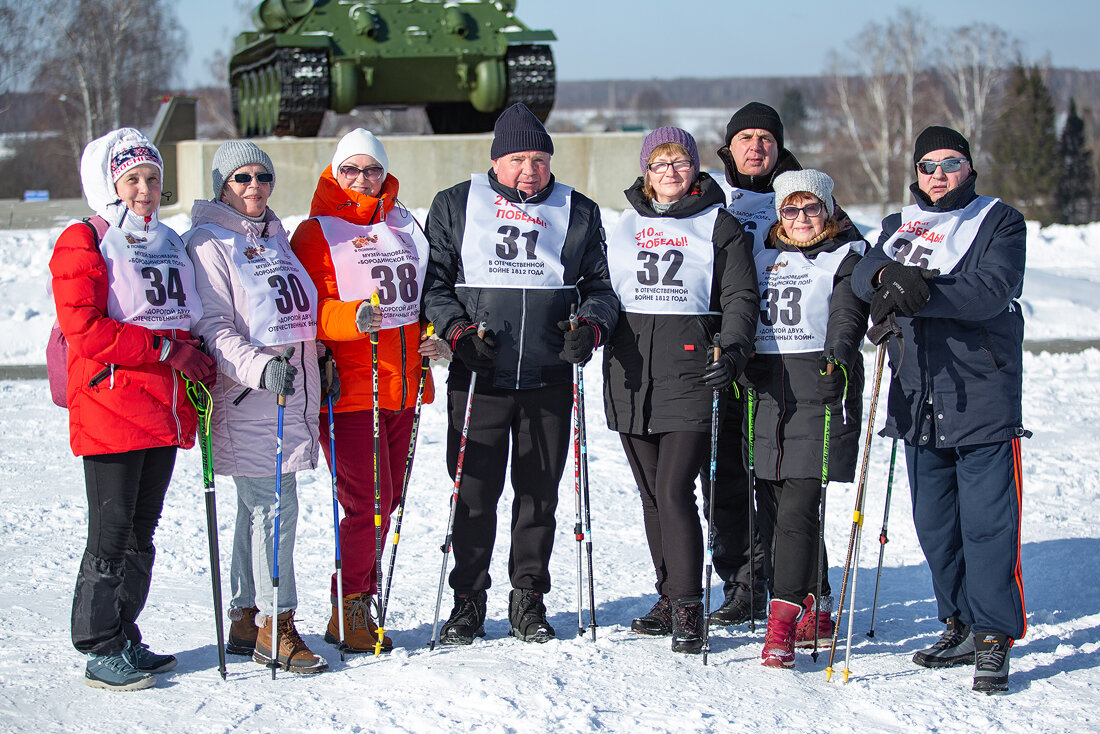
(663, 135)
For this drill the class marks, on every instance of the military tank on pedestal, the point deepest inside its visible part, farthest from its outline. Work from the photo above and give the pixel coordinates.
(465, 61)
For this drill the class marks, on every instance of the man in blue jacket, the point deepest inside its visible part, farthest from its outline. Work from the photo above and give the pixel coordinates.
(949, 268)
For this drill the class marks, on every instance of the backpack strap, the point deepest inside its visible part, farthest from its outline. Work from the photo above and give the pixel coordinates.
(98, 225)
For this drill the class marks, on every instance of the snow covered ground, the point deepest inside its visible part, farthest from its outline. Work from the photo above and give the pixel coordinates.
(622, 682)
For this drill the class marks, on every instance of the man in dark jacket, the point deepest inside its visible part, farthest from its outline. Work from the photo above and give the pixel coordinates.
(950, 268)
(511, 252)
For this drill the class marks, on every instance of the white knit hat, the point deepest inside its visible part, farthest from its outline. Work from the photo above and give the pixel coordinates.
(360, 142)
(815, 182)
(232, 155)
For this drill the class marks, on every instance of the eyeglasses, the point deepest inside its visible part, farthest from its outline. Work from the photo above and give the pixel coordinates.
(681, 166)
(369, 172)
(246, 178)
(949, 165)
(811, 210)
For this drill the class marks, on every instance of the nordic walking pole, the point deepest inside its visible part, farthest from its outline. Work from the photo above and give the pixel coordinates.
(200, 398)
(380, 632)
(583, 433)
(882, 539)
(335, 513)
(712, 473)
(750, 401)
(446, 547)
(275, 540)
(424, 368)
(578, 526)
(821, 516)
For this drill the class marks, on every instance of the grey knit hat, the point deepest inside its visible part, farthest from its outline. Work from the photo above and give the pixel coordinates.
(663, 135)
(815, 182)
(231, 156)
(516, 130)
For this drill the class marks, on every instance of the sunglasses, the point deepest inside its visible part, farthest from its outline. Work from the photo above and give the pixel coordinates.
(812, 210)
(369, 172)
(949, 165)
(246, 178)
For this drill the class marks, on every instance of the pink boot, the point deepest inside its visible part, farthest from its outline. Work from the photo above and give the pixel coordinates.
(779, 641)
(804, 634)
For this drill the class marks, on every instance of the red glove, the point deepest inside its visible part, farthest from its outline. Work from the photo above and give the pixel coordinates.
(185, 356)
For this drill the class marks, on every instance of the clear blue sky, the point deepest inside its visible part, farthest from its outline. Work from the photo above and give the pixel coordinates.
(646, 39)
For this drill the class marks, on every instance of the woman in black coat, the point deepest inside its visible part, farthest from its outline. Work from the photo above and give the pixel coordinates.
(807, 358)
(682, 268)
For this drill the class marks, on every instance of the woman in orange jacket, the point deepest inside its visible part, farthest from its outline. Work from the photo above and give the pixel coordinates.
(360, 242)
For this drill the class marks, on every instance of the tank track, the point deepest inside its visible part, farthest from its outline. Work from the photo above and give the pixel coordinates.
(297, 79)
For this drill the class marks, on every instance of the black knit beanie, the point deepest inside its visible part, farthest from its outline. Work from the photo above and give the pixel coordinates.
(755, 116)
(940, 138)
(516, 130)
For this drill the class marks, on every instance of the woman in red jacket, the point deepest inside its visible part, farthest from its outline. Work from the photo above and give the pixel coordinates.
(125, 295)
(359, 242)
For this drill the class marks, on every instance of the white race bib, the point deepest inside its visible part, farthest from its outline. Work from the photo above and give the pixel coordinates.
(795, 292)
(389, 258)
(151, 279)
(663, 265)
(511, 245)
(755, 212)
(937, 240)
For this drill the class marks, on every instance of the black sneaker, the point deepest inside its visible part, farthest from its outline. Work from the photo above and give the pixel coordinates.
(991, 662)
(527, 616)
(657, 621)
(687, 626)
(955, 647)
(735, 610)
(467, 620)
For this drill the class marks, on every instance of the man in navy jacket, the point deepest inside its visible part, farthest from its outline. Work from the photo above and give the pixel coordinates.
(949, 268)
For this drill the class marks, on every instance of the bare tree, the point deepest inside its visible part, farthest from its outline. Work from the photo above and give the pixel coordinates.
(908, 30)
(18, 44)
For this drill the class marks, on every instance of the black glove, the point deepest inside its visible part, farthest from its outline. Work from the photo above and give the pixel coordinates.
(720, 373)
(329, 388)
(903, 289)
(476, 352)
(830, 387)
(279, 373)
(579, 342)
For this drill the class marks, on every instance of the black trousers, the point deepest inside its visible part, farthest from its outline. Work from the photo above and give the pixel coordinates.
(665, 466)
(534, 426)
(125, 499)
(797, 523)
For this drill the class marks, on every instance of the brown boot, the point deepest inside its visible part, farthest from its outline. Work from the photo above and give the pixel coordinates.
(242, 631)
(293, 653)
(360, 631)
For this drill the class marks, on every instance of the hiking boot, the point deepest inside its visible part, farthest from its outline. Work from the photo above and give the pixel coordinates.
(242, 631)
(657, 621)
(467, 619)
(293, 655)
(141, 657)
(360, 631)
(687, 626)
(735, 610)
(115, 672)
(991, 651)
(527, 616)
(955, 647)
(804, 632)
(778, 649)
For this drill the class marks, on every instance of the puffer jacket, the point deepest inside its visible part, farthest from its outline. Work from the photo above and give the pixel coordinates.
(244, 432)
(957, 372)
(399, 364)
(654, 363)
(789, 413)
(522, 320)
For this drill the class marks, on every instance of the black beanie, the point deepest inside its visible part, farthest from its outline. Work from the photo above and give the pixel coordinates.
(755, 116)
(516, 130)
(940, 138)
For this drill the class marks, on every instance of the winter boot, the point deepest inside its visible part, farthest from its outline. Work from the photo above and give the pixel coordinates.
(360, 631)
(779, 641)
(804, 633)
(141, 657)
(687, 626)
(293, 655)
(242, 631)
(991, 651)
(735, 610)
(657, 621)
(527, 616)
(955, 647)
(467, 619)
(115, 672)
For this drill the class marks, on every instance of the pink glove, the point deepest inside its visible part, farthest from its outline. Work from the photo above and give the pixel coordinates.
(185, 356)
